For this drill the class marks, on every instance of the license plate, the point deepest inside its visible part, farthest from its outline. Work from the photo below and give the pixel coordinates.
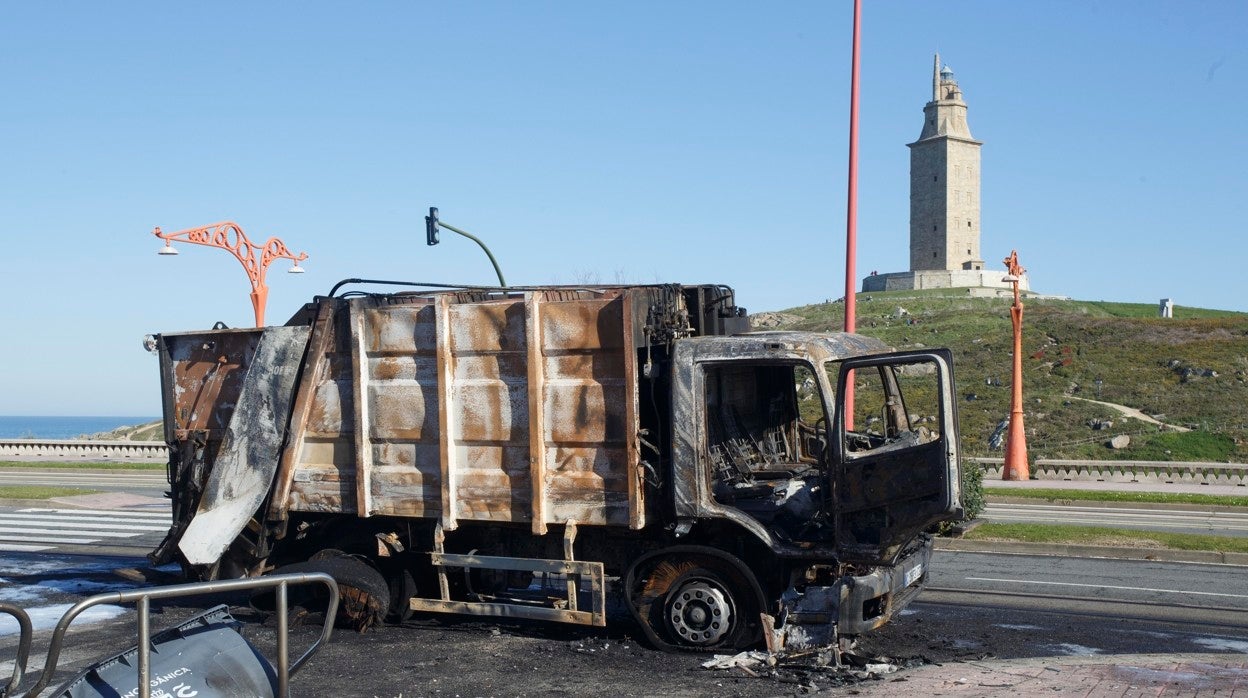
(913, 574)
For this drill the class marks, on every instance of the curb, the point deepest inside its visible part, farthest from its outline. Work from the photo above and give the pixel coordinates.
(1101, 551)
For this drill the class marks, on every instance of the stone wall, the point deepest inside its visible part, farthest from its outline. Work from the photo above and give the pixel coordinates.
(940, 278)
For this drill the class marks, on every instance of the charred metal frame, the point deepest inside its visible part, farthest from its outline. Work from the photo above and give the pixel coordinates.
(572, 569)
(25, 635)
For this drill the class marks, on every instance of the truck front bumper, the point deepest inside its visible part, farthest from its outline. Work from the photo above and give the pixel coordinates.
(852, 605)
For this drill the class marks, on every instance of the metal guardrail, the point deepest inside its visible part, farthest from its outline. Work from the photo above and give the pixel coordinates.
(143, 597)
(23, 647)
(1163, 472)
(85, 449)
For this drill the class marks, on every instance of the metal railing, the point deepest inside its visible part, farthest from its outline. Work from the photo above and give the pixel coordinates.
(23, 646)
(143, 598)
(1160, 472)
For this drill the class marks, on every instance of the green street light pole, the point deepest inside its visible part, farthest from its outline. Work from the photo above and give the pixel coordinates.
(431, 238)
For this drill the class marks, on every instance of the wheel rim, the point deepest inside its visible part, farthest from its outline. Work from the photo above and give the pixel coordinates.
(700, 612)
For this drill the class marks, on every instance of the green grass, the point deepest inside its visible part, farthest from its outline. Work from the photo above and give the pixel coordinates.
(39, 492)
(1191, 370)
(87, 465)
(1052, 495)
(1113, 537)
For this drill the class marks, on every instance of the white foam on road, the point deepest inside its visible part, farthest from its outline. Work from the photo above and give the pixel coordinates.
(46, 617)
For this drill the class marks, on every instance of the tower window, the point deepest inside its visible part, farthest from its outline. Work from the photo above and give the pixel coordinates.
(968, 224)
(934, 178)
(933, 228)
(933, 255)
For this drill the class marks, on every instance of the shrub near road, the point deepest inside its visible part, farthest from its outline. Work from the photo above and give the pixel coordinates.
(1191, 370)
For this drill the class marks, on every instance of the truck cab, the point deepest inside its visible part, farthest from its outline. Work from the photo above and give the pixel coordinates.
(833, 453)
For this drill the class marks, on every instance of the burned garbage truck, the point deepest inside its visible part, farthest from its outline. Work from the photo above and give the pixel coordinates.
(522, 452)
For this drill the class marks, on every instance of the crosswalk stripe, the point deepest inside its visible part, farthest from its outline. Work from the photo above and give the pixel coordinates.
(92, 523)
(19, 548)
(54, 531)
(166, 514)
(45, 539)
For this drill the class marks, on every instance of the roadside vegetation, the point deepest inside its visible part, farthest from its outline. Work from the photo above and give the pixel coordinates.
(39, 492)
(1108, 537)
(1190, 371)
(1056, 495)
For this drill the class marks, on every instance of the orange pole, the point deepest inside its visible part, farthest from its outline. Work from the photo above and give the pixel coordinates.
(1016, 467)
(851, 214)
(229, 236)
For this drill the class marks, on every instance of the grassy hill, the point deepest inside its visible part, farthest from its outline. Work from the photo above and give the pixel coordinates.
(1191, 370)
(152, 431)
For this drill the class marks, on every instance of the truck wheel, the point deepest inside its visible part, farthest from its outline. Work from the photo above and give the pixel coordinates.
(363, 596)
(695, 598)
(402, 588)
(700, 609)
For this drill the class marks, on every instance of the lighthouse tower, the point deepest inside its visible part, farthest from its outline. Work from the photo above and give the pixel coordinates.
(944, 183)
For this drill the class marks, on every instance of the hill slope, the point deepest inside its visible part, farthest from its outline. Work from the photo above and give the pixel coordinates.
(1191, 370)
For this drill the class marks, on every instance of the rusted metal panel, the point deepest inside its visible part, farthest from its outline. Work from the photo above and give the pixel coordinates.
(447, 414)
(245, 465)
(323, 474)
(635, 483)
(360, 389)
(589, 421)
(313, 366)
(207, 375)
(516, 408)
(537, 416)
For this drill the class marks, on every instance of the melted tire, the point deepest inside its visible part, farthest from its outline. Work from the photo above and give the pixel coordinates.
(363, 595)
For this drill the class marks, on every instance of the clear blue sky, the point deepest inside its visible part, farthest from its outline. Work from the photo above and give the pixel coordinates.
(691, 142)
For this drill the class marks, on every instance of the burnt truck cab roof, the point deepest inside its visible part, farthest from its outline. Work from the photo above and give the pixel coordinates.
(768, 439)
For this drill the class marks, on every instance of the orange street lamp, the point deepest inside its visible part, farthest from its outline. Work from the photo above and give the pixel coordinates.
(1016, 441)
(229, 236)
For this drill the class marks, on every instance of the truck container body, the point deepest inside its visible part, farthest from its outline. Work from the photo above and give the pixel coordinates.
(515, 452)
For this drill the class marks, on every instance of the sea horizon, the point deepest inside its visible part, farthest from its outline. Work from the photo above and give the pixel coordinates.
(64, 427)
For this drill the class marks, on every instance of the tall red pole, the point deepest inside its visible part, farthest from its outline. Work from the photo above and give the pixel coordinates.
(1016, 467)
(851, 213)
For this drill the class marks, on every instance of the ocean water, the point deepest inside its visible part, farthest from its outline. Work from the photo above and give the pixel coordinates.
(63, 427)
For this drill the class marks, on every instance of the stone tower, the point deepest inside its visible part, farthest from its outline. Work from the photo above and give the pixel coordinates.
(944, 183)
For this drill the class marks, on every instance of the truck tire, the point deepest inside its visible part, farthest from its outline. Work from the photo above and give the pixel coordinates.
(363, 596)
(695, 598)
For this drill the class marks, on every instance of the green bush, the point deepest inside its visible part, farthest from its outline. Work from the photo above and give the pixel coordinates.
(972, 490)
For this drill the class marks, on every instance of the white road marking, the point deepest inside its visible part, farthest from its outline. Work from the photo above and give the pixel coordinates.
(46, 539)
(109, 512)
(55, 531)
(91, 522)
(1105, 586)
(19, 548)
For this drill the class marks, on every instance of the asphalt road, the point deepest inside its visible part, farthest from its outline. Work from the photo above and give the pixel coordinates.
(1179, 520)
(151, 483)
(979, 605)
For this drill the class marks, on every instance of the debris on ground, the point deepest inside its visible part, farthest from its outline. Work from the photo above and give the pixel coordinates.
(807, 667)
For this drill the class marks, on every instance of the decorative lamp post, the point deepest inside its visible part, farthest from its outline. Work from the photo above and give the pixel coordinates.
(1016, 467)
(230, 237)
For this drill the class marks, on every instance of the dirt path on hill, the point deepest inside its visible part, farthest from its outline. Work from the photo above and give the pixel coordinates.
(1132, 413)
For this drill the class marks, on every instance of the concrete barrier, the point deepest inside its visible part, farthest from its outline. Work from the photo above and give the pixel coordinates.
(85, 450)
(1166, 472)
